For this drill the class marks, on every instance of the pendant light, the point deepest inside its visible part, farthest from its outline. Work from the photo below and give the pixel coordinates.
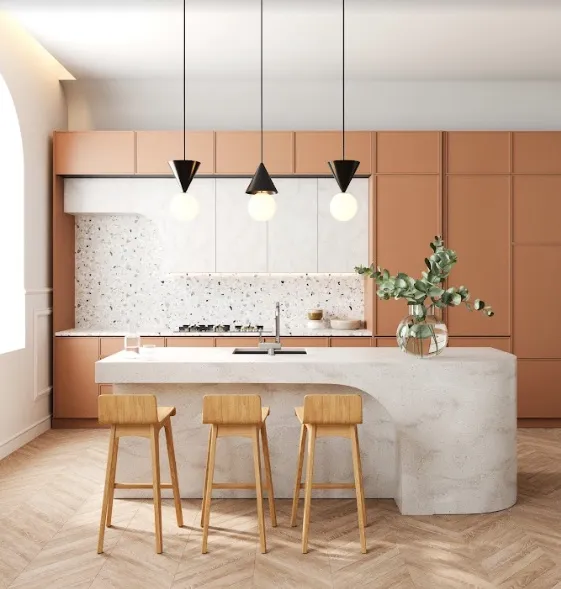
(343, 206)
(261, 205)
(183, 206)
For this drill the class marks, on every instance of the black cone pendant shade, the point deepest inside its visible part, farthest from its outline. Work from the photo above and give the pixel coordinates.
(184, 171)
(343, 172)
(261, 182)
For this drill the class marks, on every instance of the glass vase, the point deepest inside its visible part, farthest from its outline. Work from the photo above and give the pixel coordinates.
(422, 333)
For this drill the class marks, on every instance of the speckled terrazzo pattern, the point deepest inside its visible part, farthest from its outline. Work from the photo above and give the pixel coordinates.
(120, 284)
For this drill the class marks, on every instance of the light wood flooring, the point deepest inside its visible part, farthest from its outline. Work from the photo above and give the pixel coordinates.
(50, 497)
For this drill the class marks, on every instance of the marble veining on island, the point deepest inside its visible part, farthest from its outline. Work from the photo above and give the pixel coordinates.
(438, 435)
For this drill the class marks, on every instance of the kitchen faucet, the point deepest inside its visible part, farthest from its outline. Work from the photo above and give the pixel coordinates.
(277, 323)
(276, 345)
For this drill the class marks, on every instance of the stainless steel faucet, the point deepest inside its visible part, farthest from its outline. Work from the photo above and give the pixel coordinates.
(277, 323)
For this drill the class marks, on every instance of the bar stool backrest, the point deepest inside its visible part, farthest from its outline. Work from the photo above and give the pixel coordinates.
(127, 409)
(332, 409)
(232, 409)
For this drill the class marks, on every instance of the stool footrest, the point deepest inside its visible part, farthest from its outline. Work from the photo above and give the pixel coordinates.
(329, 485)
(141, 486)
(236, 486)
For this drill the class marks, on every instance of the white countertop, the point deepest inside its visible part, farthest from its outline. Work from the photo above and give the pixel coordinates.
(288, 332)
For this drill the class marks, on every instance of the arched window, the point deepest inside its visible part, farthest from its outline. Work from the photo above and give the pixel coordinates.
(12, 291)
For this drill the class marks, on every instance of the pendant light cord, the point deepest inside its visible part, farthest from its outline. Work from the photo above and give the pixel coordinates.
(343, 79)
(261, 81)
(184, 83)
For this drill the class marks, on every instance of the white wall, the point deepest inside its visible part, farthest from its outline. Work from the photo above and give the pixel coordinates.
(311, 104)
(32, 76)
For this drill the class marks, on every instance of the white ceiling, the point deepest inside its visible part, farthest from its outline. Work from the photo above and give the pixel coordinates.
(387, 39)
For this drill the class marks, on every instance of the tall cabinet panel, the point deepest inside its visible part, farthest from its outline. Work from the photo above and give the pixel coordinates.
(478, 228)
(407, 219)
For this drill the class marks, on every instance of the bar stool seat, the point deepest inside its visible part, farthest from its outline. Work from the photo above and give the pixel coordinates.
(138, 416)
(238, 416)
(328, 416)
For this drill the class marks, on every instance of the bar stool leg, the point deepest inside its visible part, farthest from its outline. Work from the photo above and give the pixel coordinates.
(358, 487)
(111, 496)
(208, 485)
(296, 498)
(155, 446)
(206, 477)
(309, 481)
(269, 476)
(259, 489)
(173, 473)
(112, 438)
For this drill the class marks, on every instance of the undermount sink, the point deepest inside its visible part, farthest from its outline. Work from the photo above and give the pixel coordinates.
(263, 351)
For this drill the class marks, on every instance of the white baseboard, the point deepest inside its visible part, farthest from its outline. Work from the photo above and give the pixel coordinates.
(25, 436)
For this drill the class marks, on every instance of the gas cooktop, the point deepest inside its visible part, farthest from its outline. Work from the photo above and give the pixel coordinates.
(220, 328)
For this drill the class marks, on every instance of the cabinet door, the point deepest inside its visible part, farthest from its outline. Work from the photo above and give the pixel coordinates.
(94, 153)
(241, 242)
(239, 152)
(479, 231)
(405, 152)
(292, 236)
(237, 342)
(537, 152)
(342, 245)
(154, 149)
(351, 342)
(386, 342)
(105, 389)
(478, 152)
(75, 389)
(537, 210)
(190, 342)
(315, 148)
(407, 219)
(305, 342)
(537, 313)
(499, 343)
(539, 388)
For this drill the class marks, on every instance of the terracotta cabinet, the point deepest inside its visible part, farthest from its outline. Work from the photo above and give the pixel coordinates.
(499, 343)
(236, 342)
(479, 231)
(408, 152)
(386, 342)
(351, 342)
(112, 345)
(539, 388)
(315, 148)
(407, 219)
(155, 148)
(94, 153)
(190, 342)
(75, 389)
(537, 210)
(305, 342)
(478, 152)
(537, 313)
(238, 153)
(537, 152)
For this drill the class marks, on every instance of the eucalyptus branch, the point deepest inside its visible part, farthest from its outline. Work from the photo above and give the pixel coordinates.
(428, 289)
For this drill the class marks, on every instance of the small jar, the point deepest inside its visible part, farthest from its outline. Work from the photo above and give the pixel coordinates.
(315, 314)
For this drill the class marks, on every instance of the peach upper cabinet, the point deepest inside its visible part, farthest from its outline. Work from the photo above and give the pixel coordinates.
(154, 149)
(238, 153)
(408, 152)
(94, 153)
(313, 149)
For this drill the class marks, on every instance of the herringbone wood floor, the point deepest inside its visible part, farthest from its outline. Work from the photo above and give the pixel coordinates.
(50, 495)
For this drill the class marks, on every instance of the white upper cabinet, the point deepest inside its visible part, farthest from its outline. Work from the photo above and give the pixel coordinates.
(241, 242)
(292, 233)
(302, 237)
(342, 245)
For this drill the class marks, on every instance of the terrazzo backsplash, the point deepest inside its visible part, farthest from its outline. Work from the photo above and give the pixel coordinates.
(120, 284)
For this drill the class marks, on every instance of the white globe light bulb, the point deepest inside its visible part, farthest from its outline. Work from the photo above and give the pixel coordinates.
(184, 207)
(261, 206)
(343, 206)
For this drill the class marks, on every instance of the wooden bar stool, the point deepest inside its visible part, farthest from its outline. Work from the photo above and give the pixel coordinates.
(137, 415)
(328, 416)
(238, 416)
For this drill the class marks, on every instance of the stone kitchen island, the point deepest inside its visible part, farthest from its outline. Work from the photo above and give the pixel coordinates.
(439, 435)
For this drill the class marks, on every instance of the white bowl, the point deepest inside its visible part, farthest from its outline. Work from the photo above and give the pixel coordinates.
(345, 324)
(316, 324)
